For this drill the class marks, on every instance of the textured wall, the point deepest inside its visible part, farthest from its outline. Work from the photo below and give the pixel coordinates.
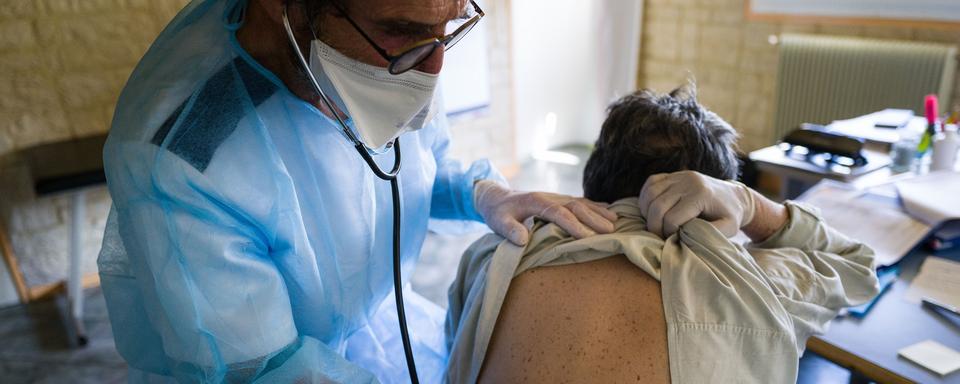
(62, 65)
(63, 62)
(733, 63)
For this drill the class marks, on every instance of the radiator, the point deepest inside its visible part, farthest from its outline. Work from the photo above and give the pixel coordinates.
(825, 78)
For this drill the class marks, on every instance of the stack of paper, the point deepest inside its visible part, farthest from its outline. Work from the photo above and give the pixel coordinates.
(938, 279)
(883, 226)
(932, 198)
(865, 127)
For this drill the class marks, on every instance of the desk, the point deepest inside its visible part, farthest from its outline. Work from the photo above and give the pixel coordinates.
(797, 175)
(869, 346)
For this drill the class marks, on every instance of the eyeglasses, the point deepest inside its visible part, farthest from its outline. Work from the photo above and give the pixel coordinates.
(414, 54)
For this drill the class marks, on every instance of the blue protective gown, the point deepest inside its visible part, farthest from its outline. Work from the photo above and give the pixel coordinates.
(248, 241)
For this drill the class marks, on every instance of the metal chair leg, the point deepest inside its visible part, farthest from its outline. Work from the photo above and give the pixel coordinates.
(75, 274)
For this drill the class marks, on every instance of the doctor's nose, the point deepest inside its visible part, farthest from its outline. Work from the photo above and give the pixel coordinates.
(432, 63)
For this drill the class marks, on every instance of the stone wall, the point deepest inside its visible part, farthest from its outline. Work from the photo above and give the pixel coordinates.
(734, 65)
(62, 66)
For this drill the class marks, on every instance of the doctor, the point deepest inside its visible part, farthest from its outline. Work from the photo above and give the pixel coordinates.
(249, 240)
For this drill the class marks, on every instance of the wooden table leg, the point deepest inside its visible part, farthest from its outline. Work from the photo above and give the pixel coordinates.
(11, 260)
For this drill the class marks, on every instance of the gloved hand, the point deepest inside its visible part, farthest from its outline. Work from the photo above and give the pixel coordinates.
(504, 210)
(669, 200)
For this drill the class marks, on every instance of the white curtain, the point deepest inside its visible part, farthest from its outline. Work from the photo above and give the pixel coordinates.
(570, 59)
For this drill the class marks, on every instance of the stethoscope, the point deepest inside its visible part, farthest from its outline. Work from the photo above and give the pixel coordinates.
(394, 188)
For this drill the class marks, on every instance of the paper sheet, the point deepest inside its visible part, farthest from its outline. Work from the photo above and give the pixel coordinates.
(932, 198)
(864, 127)
(933, 356)
(938, 279)
(885, 228)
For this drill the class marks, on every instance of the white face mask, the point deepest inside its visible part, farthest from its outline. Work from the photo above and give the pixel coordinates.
(381, 105)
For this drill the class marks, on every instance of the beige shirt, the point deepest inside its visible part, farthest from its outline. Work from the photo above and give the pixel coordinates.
(734, 313)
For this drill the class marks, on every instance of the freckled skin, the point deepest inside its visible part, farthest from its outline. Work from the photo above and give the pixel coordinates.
(596, 322)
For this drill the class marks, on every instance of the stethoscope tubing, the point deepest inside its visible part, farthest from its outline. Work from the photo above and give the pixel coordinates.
(390, 176)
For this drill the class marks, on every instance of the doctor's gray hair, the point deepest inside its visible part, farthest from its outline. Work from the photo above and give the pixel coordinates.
(646, 133)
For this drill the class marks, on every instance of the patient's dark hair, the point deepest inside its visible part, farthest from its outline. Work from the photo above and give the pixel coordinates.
(646, 133)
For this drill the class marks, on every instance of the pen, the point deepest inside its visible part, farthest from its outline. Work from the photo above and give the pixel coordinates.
(936, 304)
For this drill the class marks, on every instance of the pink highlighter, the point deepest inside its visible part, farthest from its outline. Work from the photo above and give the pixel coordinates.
(930, 107)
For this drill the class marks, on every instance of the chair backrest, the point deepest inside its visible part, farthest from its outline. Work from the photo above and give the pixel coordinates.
(66, 165)
(825, 78)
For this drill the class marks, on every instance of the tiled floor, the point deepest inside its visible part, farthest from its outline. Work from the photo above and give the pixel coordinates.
(34, 345)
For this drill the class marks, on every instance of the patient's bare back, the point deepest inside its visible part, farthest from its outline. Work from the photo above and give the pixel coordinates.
(596, 322)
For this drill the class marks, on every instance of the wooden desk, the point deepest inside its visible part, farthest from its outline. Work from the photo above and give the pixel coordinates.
(869, 346)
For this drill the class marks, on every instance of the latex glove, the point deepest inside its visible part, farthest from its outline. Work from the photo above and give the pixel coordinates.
(669, 200)
(504, 210)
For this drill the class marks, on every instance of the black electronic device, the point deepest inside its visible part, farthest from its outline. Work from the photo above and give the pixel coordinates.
(812, 140)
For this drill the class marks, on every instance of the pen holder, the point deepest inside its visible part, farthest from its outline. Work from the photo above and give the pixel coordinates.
(903, 154)
(945, 147)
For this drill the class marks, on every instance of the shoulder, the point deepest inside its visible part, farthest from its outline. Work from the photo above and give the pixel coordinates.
(198, 128)
(207, 147)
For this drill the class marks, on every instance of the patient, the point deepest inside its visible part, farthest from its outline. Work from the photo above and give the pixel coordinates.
(667, 297)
